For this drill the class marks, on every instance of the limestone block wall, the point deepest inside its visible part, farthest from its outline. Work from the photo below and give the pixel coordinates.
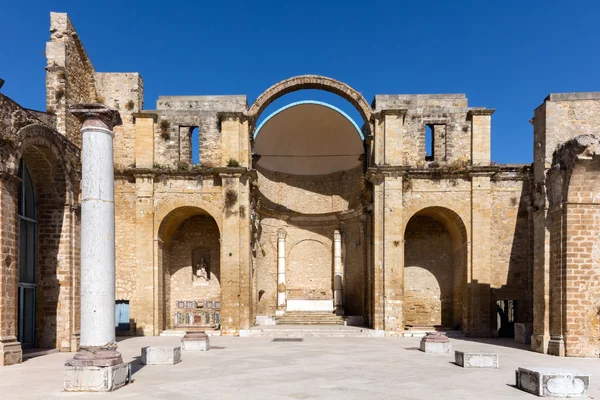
(125, 224)
(69, 75)
(314, 194)
(125, 93)
(582, 269)
(222, 127)
(428, 275)
(510, 247)
(306, 208)
(400, 130)
(561, 117)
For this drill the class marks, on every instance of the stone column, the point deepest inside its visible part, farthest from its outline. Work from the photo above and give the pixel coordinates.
(97, 347)
(338, 274)
(281, 289)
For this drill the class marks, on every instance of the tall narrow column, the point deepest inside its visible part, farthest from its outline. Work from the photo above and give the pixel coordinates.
(338, 274)
(97, 347)
(281, 290)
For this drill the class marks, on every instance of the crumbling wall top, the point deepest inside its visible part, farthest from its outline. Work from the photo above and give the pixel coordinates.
(233, 103)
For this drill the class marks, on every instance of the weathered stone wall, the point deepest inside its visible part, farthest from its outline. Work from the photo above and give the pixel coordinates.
(314, 194)
(69, 76)
(53, 162)
(510, 247)
(428, 273)
(214, 116)
(582, 269)
(309, 237)
(125, 210)
(123, 92)
(405, 118)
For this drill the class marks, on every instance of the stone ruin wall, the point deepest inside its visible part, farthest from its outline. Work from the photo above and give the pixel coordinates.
(404, 122)
(309, 239)
(69, 76)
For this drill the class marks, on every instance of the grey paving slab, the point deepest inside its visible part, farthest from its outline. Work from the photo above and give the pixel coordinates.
(316, 368)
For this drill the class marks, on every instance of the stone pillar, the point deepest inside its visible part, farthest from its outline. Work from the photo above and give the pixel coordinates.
(338, 274)
(281, 288)
(185, 144)
(97, 346)
(479, 279)
(10, 348)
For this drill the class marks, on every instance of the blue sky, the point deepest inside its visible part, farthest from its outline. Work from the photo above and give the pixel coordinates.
(506, 54)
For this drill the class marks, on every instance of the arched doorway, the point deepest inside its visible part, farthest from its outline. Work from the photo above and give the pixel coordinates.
(310, 163)
(435, 270)
(190, 254)
(47, 236)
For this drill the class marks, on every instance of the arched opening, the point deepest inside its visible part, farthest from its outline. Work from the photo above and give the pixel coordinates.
(309, 156)
(46, 272)
(190, 255)
(435, 269)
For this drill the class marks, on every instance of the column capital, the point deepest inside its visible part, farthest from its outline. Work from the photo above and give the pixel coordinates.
(96, 115)
(281, 234)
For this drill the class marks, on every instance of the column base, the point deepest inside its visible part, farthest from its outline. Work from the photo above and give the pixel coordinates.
(96, 379)
(96, 369)
(10, 351)
(556, 347)
(539, 343)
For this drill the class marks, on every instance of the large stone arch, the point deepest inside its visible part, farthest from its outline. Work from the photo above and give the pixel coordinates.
(435, 287)
(65, 155)
(52, 162)
(302, 82)
(170, 214)
(182, 232)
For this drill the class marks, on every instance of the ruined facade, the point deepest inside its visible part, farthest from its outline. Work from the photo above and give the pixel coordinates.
(225, 222)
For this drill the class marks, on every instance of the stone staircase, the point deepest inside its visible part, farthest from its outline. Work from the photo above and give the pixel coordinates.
(309, 318)
(310, 331)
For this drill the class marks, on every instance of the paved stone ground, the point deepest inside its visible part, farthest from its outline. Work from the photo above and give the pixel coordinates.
(317, 368)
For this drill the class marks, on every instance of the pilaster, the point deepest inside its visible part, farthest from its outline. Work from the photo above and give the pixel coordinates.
(10, 348)
(393, 255)
(148, 249)
(144, 139)
(481, 120)
(479, 279)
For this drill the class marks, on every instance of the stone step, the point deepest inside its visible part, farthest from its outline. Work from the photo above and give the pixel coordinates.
(423, 332)
(307, 332)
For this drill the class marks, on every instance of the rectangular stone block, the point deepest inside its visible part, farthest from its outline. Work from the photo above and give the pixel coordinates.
(433, 347)
(96, 379)
(195, 345)
(161, 355)
(523, 332)
(476, 360)
(553, 382)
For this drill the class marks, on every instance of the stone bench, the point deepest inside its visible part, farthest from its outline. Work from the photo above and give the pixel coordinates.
(195, 341)
(476, 360)
(552, 382)
(161, 355)
(435, 342)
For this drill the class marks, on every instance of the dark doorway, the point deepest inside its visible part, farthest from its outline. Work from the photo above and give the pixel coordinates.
(505, 315)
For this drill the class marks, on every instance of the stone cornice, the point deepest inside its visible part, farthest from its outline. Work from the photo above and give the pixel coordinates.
(480, 111)
(145, 114)
(401, 112)
(232, 114)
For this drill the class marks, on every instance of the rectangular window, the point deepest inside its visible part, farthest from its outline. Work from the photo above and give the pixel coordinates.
(429, 143)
